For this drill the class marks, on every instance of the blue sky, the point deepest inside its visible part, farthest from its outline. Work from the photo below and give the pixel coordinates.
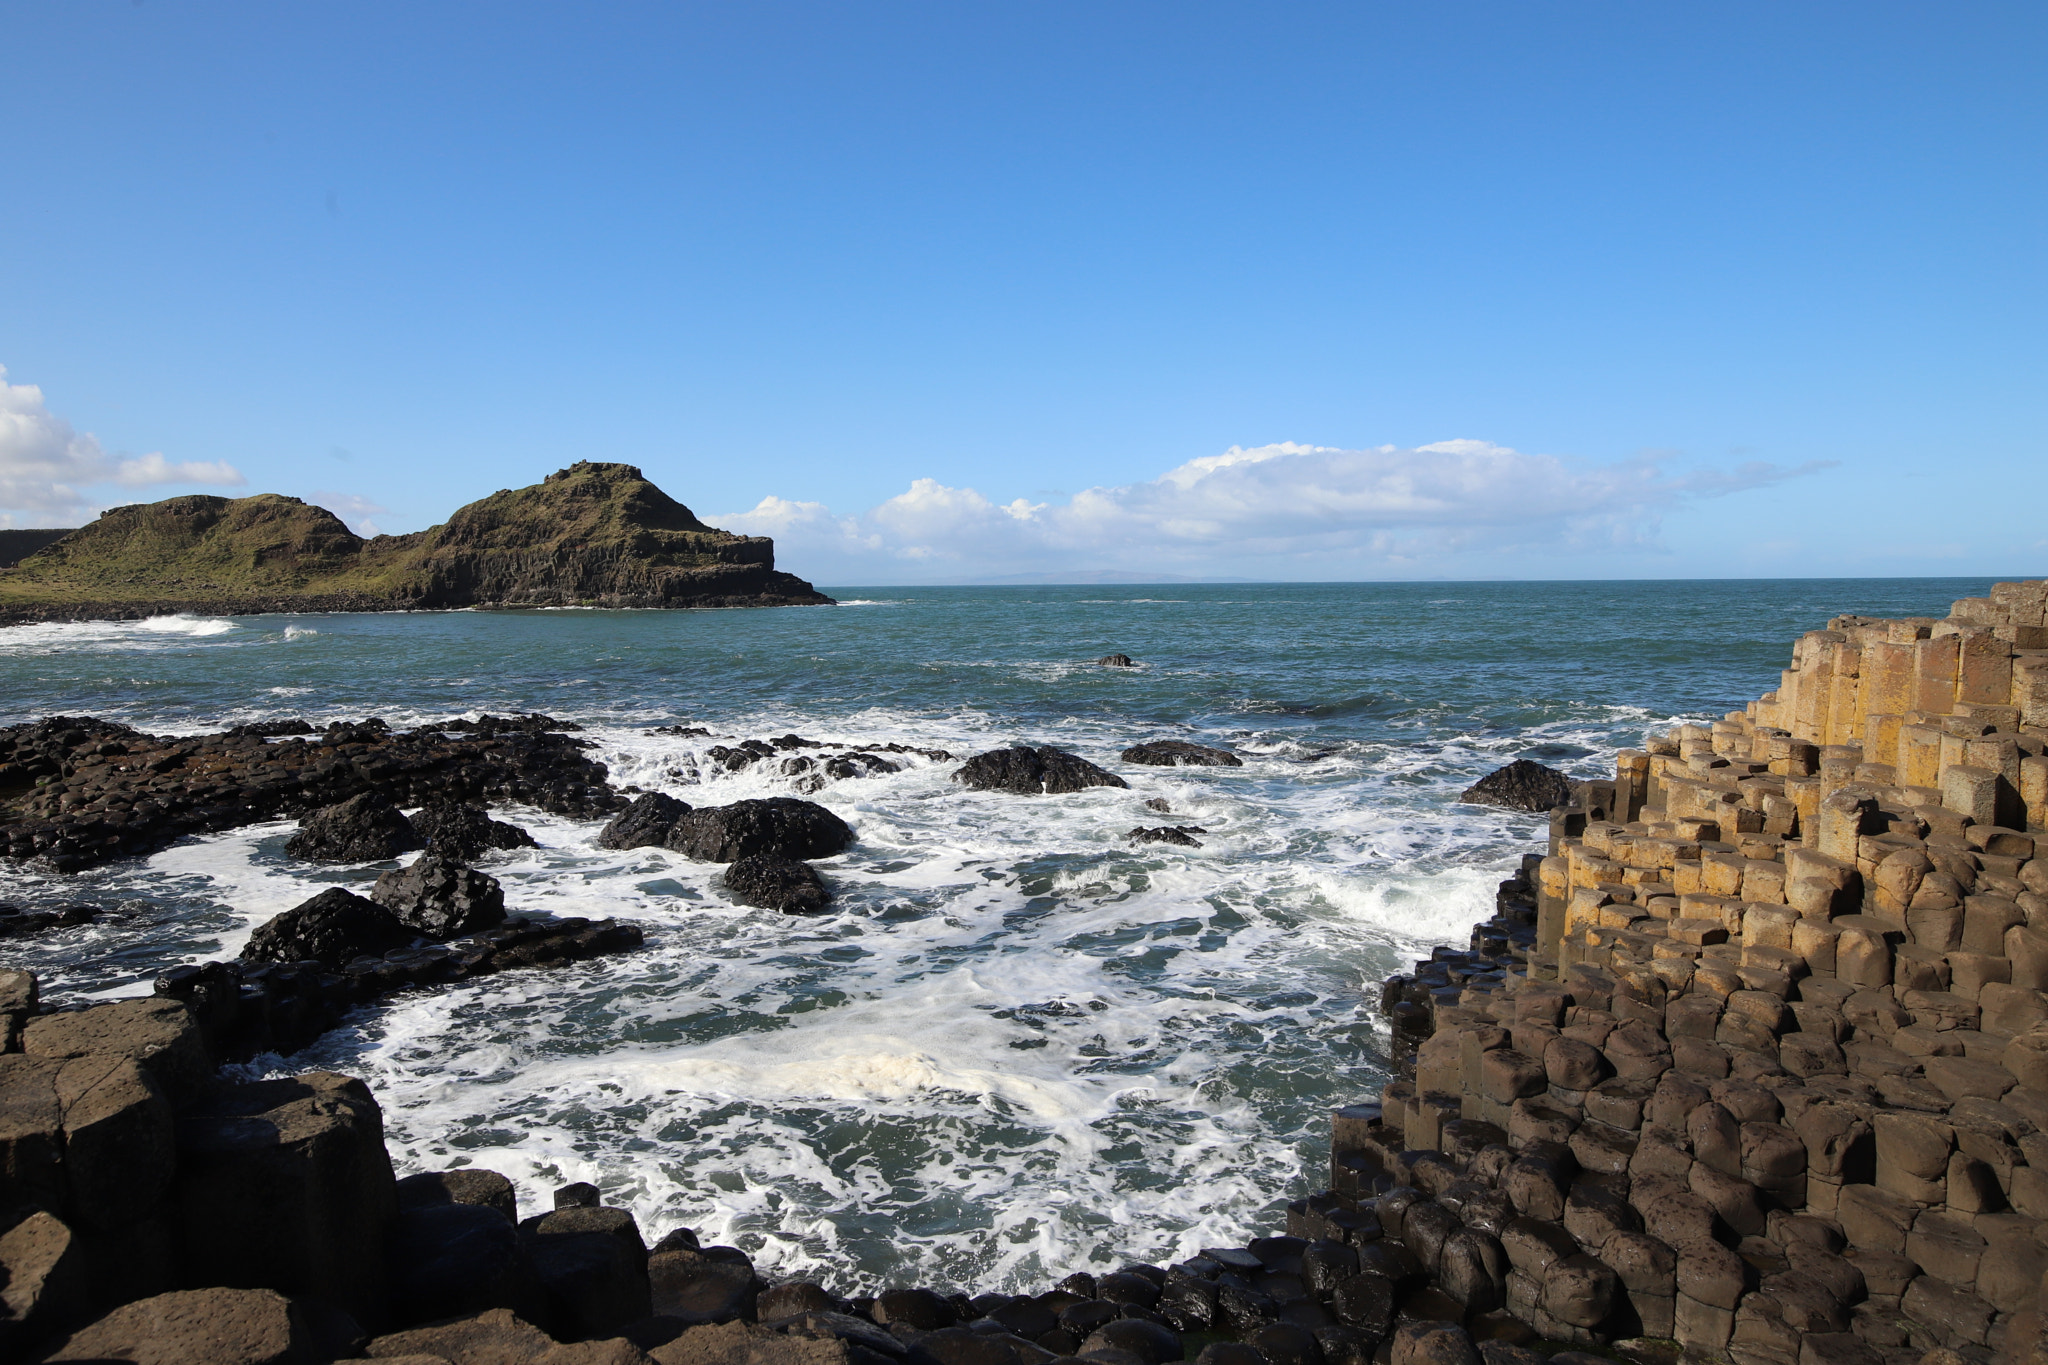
(932, 292)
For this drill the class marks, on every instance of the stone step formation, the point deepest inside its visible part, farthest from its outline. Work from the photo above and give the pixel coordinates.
(1751, 1065)
(1755, 1058)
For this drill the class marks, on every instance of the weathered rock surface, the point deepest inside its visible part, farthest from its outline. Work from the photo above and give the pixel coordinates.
(783, 825)
(440, 898)
(203, 1327)
(773, 882)
(1169, 753)
(647, 823)
(333, 927)
(1033, 772)
(362, 829)
(590, 535)
(1521, 785)
(463, 833)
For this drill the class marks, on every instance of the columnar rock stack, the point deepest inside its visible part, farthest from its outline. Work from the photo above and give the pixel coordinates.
(1770, 1077)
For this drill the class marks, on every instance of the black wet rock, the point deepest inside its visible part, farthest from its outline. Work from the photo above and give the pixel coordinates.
(782, 825)
(333, 927)
(1521, 785)
(1170, 753)
(463, 833)
(1033, 772)
(518, 723)
(1117, 661)
(773, 882)
(270, 729)
(1160, 804)
(363, 829)
(18, 923)
(441, 898)
(1183, 835)
(647, 823)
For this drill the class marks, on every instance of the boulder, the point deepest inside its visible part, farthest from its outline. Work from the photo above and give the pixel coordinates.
(1033, 772)
(285, 1184)
(647, 823)
(202, 1327)
(439, 897)
(465, 1185)
(701, 1287)
(333, 927)
(774, 882)
(494, 1337)
(1148, 1341)
(1183, 835)
(1117, 661)
(783, 825)
(742, 1343)
(593, 1265)
(463, 833)
(1170, 753)
(1521, 785)
(362, 829)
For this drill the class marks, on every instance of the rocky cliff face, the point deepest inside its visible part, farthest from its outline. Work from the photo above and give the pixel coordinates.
(589, 535)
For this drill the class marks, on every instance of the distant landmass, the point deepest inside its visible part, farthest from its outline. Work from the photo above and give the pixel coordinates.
(1083, 577)
(591, 535)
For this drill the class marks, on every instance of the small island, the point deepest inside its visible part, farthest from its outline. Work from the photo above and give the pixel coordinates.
(591, 535)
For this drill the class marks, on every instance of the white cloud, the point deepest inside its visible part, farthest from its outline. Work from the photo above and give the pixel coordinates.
(1283, 508)
(44, 463)
(354, 511)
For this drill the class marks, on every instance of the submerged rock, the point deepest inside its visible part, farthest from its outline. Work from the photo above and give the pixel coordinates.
(646, 823)
(783, 825)
(773, 882)
(1169, 753)
(1033, 772)
(1184, 835)
(1521, 785)
(1117, 661)
(362, 829)
(333, 927)
(463, 833)
(440, 897)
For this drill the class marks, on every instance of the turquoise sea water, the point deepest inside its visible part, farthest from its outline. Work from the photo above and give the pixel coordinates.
(1018, 1045)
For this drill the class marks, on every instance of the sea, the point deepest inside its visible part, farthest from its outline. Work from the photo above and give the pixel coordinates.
(1018, 1045)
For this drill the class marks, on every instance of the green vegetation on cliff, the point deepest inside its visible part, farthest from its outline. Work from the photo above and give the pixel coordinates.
(590, 535)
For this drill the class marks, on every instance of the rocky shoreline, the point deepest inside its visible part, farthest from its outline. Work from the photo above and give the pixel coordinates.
(1751, 1064)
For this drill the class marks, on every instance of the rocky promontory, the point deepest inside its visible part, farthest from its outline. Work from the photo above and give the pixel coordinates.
(591, 535)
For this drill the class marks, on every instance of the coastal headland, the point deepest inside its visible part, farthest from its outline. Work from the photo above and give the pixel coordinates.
(592, 535)
(1750, 1065)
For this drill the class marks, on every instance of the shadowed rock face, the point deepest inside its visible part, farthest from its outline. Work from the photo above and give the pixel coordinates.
(773, 882)
(589, 535)
(1522, 785)
(1171, 753)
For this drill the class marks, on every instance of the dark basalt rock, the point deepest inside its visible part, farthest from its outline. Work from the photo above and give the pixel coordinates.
(1117, 661)
(773, 882)
(1184, 835)
(1032, 772)
(464, 833)
(783, 825)
(1168, 753)
(18, 923)
(333, 927)
(271, 729)
(518, 723)
(441, 898)
(647, 823)
(1521, 785)
(362, 829)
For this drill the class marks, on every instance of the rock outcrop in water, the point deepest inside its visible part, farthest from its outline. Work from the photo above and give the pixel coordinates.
(77, 792)
(1521, 785)
(1033, 772)
(773, 882)
(1172, 753)
(596, 535)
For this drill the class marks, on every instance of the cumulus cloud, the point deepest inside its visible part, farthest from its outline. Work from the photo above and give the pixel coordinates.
(1287, 507)
(44, 463)
(355, 512)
